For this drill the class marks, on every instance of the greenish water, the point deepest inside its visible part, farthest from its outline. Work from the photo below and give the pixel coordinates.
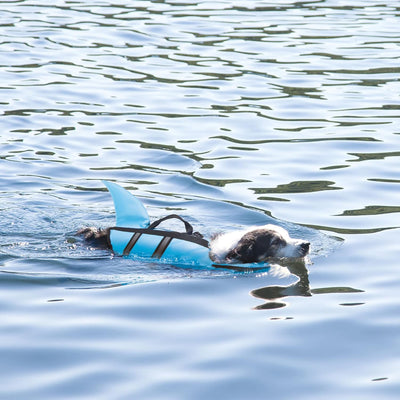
(230, 114)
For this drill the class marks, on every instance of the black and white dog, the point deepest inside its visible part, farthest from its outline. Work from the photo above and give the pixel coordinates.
(252, 245)
(256, 244)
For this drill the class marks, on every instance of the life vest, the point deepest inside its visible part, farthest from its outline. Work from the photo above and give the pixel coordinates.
(176, 247)
(134, 235)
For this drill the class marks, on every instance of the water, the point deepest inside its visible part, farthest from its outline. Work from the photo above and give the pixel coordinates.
(230, 114)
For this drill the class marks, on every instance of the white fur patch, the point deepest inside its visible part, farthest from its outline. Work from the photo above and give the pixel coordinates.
(223, 243)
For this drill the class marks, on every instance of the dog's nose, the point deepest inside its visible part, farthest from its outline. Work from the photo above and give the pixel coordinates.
(305, 246)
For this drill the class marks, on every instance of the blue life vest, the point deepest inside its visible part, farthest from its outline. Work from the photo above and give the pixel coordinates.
(173, 247)
(133, 234)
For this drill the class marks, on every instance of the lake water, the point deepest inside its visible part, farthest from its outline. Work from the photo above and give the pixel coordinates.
(230, 113)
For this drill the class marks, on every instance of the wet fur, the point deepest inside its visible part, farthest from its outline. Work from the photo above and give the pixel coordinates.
(255, 246)
(95, 237)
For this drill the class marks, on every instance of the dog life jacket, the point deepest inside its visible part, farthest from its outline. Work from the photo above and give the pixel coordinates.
(178, 247)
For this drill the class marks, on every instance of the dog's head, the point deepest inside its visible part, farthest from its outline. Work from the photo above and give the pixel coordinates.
(261, 243)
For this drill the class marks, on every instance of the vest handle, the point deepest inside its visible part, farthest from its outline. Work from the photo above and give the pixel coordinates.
(188, 227)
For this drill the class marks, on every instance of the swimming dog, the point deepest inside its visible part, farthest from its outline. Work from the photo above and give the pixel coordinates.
(256, 244)
(134, 234)
(252, 245)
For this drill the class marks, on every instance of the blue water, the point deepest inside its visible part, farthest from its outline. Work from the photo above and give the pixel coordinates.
(230, 114)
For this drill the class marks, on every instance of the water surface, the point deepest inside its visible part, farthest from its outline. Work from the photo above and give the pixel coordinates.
(230, 114)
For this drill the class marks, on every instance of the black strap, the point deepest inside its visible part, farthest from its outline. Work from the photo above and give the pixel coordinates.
(188, 227)
(135, 237)
(162, 246)
(175, 235)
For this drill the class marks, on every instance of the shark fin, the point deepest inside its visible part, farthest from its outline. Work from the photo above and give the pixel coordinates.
(129, 210)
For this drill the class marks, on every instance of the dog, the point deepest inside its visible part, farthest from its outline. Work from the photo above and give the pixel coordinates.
(256, 244)
(252, 245)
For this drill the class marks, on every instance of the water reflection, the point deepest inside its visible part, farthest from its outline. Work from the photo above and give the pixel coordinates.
(274, 294)
(299, 187)
(372, 210)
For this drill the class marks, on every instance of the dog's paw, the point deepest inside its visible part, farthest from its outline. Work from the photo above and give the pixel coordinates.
(95, 237)
(88, 233)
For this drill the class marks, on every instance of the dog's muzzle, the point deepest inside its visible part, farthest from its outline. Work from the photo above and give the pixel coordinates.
(304, 248)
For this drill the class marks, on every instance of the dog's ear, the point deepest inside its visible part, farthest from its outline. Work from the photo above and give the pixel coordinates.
(254, 246)
(244, 251)
(232, 255)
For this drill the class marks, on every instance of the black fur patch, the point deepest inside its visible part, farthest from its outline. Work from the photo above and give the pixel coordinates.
(256, 246)
(95, 237)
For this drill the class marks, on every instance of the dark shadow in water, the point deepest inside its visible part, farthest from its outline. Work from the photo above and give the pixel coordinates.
(274, 294)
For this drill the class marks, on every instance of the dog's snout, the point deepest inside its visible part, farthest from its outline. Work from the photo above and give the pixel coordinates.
(305, 247)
